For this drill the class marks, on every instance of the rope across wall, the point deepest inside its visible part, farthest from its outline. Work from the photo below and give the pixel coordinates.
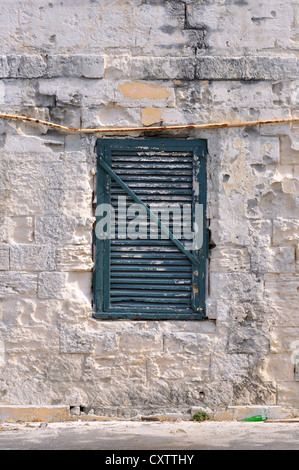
(126, 130)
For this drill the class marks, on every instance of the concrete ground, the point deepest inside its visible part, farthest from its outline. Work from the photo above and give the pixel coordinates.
(129, 435)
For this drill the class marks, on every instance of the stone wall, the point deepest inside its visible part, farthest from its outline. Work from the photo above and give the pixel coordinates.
(87, 63)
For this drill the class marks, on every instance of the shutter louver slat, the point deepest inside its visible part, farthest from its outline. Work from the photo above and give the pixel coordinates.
(154, 178)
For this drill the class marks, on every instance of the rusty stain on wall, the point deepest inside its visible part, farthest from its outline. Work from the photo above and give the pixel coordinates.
(139, 90)
(151, 116)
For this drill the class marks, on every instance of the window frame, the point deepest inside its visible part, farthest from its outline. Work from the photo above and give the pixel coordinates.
(102, 247)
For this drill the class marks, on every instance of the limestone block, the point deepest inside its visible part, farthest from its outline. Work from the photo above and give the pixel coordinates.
(16, 229)
(33, 128)
(158, 68)
(31, 311)
(111, 115)
(74, 203)
(278, 368)
(294, 94)
(29, 413)
(236, 286)
(63, 230)
(171, 116)
(271, 68)
(289, 154)
(145, 342)
(217, 310)
(16, 144)
(98, 369)
(131, 370)
(260, 232)
(282, 286)
(26, 66)
(168, 36)
(65, 369)
(276, 203)
(20, 93)
(248, 340)
(283, 172)
(25, 340)
(230, 230)
(22, 387)
(187, 343)
(75, 411)
(66, 116)
(229, 366)
(273, 260)
(266, 150)
(118, 66)
(55, 88)
(211, 309)
(229, 259)
(75, 340)
(237, 94)
(13, 284)
(282, 339)
(212, 207)
(86, 66)
(4, 69)
(238, 175)
(196, 372)
(168, 368)
(189, 326)
(4, 257)
(275, 130)
(21, 202)
(74, 258)
(220, 68)
(250, 312)
(285, 312)
(32, 257)
(285, 232)
(106, 345)
(47, 157)
(75, 397)
(74, 311)
(94, 92)
(263, 26)
(64, 286)
(191, 94)
(288, 394)
(73, 142)
(52, 175)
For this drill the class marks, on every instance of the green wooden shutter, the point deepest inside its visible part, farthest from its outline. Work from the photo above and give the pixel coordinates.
(150, 278)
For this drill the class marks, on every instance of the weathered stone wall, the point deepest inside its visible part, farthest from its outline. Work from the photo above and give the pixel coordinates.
(131, 62)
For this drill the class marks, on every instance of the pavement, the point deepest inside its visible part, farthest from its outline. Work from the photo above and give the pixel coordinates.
(151, 436)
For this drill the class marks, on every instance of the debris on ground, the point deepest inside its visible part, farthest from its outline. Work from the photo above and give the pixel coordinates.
(161, 418)
(255, 419)
(178, 430)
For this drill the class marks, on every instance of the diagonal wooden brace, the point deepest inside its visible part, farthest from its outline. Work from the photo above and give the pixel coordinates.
(153, 216)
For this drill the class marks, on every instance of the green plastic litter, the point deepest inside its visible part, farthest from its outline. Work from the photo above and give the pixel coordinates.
(256, 418)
